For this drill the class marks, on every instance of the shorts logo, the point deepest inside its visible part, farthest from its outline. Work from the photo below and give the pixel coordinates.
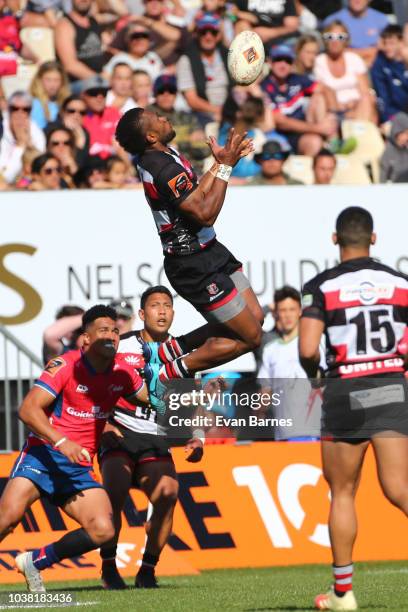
(250, 55)
(82, 389)
(54, 366)
(180, 184)
(212, 289)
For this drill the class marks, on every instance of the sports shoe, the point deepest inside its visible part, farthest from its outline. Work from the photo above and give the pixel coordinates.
(145, 578)
(156, 388)
(111, 579)
(330, 601)
(24, 564)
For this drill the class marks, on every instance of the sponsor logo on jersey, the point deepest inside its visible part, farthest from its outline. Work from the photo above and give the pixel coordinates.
(95, 413)
(82, 389)
(179, 184)
(134, 360)
(366, 292)
(212, 289)
(250, 55)
(54, 366)
(307, 300)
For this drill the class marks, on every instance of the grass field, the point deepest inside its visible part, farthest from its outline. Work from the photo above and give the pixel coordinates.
(378, 586)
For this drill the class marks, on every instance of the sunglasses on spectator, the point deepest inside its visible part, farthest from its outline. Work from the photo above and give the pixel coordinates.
(205, 31)
(55, 170)
(72, 111)
(287, 60)
(277, 156)
(23, 109)
(138, 35)
(94, 93)
(56, 143)
(162, 90)
(335, 36)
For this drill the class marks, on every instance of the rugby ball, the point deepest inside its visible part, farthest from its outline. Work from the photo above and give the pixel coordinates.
(246, 57)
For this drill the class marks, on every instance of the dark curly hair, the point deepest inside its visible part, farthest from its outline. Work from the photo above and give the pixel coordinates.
(96, 312)
(130, 132)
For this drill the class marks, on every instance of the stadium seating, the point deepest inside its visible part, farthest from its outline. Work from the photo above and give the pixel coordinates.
(370, 144)
(350, 171)
(41, 40)
(300, 168)
(20, 81)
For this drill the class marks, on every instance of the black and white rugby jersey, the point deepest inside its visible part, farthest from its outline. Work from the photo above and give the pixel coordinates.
(142, 419)
(168, 178)
(364, 307)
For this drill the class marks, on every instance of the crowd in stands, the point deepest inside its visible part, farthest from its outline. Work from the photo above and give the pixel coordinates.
(331, 105)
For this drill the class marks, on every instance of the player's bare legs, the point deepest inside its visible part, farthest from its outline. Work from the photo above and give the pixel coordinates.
(158, 480)
(117, 479)
(93, 511)
(391, 453)
(17, 497)
(342, 463)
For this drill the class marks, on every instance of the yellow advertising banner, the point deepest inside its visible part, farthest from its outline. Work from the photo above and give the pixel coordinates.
(260, 504)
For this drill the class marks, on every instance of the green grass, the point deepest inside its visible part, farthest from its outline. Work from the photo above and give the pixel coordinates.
(378, 586)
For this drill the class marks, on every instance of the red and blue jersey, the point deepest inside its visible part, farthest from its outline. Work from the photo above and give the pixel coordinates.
(84, 398)
(290, 99)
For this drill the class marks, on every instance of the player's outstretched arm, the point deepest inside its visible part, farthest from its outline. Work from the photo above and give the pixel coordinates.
(205, 203)
(33, 414)
(310, 333)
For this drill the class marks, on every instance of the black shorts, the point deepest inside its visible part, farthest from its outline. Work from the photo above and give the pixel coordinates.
(359, 408)
(139, 448)
(211, 280)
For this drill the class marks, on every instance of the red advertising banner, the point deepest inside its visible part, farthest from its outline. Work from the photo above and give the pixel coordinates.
(258, 504)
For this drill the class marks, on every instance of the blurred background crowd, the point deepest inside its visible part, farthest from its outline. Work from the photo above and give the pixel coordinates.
(330, 107)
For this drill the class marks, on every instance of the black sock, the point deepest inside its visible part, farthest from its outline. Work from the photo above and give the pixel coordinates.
(108, 553)
(73, 544)
(149, 561)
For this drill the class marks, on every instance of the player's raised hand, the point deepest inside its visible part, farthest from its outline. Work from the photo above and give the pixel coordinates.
(236, 147)
(74, 452)
(195, 450)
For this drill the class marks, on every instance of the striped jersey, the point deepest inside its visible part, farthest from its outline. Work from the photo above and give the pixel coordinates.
(289, 100)
(168, 179)
(364, 306)
(141, 418)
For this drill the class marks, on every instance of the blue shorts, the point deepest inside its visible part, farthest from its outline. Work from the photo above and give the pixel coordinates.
(52, 473)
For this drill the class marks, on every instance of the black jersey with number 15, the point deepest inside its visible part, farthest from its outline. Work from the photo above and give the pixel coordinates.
(168, 178)
(364, 307)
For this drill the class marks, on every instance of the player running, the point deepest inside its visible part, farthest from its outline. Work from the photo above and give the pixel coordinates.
(136, 452)
(361, 306)
(66, 411)
(198, 267)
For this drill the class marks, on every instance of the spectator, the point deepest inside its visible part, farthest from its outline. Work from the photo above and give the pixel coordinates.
(20, 133)
(305, 128)
(281, 363)
(61, 144)
(246, 118)
(137, 55)
(167, 31)
(142, 88)
(92, 174)
(120, 94)
(100, 120)
(223, 11)
(43, 13)
(322, 9)
(72, 116)
(394, 162)
(308, 22)
(25, 178)
(78, 44)
(202, 72)
(126, 315)
(307, 49)
(49, 89)
(271, 159)
(273, 21)
(345, 73)
(190, 138)
(62, 335)
(46, 172)
(118, 175)
(11, 46)
(389, 74)
(324, 167)
(364, 25)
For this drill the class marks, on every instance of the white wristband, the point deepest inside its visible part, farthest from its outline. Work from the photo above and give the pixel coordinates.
(224, 172)
(200, 435)
(60, 441)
